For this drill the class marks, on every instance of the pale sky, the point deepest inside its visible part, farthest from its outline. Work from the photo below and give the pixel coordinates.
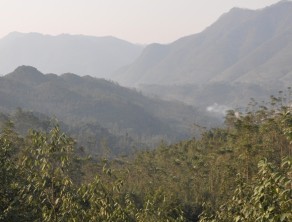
(137, 21)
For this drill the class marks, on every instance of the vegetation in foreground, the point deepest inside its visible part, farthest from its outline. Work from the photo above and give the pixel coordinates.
(241, 172)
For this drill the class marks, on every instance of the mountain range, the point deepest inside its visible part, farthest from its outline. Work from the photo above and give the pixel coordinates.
(244, 54)
(84, 55)
(250, 46)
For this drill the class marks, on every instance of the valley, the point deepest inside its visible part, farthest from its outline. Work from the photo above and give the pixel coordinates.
(196, 130)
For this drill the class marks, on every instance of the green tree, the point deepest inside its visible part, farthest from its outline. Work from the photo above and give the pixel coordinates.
(8, 173)
(47, 190)
(268, 198)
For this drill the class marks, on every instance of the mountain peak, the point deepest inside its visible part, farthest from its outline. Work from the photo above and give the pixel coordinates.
(27, 69)
(27, 74)
(262, 35)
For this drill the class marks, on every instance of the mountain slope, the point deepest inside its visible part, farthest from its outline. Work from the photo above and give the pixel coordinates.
(91, 138)
(86, 55)
(240, 46)
(86, 100)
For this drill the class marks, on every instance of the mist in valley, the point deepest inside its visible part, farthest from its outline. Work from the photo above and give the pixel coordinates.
(117, 126)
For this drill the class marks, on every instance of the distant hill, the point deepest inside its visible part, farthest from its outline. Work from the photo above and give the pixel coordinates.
(84, 55)
(87, 100)
(247, 46)
(91, 138)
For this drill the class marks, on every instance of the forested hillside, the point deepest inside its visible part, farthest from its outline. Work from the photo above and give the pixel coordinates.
(241, 172)
(91, 138)
(95, 105)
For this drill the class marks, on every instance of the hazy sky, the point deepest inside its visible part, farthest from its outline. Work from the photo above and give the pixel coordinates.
(138, 21)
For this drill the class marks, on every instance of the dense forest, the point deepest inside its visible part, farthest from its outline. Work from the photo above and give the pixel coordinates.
(91, 138)
(239, 172)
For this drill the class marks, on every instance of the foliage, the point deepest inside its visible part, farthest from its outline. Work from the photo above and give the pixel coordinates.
(43, 177)
(268, 198)
(8, 172)
(38, 185)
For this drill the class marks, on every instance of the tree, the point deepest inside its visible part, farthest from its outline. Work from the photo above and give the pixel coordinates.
(268, 198)
(8, 173)
(46, 189)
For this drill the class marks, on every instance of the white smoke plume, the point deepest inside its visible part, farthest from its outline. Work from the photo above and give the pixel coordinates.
(218, 109)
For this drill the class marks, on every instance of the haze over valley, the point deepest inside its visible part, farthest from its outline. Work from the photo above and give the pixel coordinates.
(192, 127)
(244, 54)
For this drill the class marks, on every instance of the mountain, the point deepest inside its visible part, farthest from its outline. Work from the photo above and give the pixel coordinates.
(247, 46)
(87, 100)
(86, 55)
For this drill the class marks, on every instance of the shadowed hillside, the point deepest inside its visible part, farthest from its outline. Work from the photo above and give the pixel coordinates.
(85, 100)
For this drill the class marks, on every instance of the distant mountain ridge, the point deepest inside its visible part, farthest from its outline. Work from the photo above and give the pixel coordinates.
(249, 46)
(84, 55)
(87, 100)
